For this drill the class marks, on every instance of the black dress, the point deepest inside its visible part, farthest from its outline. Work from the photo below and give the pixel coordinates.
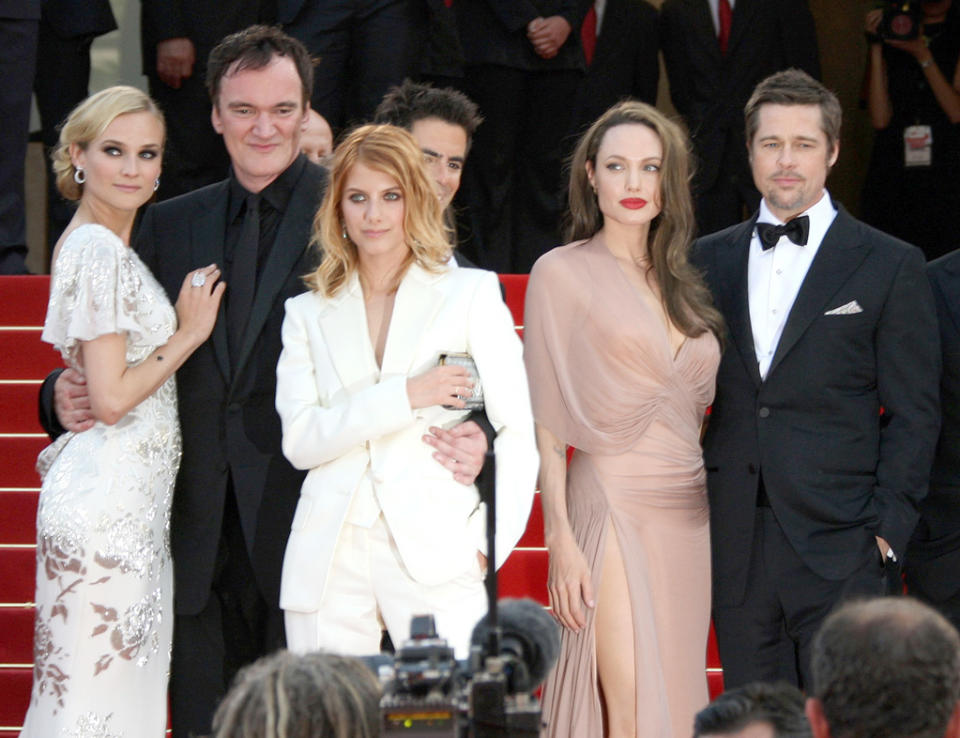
(917, 203)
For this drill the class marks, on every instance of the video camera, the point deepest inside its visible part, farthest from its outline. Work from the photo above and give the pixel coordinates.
(902, 20)
(428, 694)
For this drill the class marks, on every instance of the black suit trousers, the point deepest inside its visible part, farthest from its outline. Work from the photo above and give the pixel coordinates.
(768, 636)
(364, 48)
(513, 181)
(18, 55)
(236, 627)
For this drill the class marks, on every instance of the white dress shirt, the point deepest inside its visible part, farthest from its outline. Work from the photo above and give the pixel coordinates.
(774, 277)
(599, 6)
(715, 13)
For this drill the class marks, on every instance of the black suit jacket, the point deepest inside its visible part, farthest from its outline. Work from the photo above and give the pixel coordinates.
(709, 88)
(625, 61)
(205, 22)
(79, 18)
(229, 422)
(837, 472)
(495, 32)
(933, 556)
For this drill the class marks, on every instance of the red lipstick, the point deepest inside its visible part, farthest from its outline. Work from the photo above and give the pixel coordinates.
(633, 203)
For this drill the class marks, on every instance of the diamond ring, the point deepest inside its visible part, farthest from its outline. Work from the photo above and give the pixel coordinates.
(198, 279)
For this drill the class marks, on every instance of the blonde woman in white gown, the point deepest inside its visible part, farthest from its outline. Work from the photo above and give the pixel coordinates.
(104, 576)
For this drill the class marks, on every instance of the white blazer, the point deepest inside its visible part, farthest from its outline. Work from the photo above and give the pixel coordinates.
(351, 424)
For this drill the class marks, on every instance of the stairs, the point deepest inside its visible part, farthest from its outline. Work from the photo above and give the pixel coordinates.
(24, 362)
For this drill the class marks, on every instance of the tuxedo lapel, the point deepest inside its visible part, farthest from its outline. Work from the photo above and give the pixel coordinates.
(417, 302)
(207, 234)
(290, 243)
(736, 304)
(840, 254)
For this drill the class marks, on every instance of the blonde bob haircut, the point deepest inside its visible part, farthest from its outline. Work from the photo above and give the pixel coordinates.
(393, 152)
(88, 121)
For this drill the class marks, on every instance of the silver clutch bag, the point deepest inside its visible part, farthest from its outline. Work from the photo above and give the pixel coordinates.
(475, 401)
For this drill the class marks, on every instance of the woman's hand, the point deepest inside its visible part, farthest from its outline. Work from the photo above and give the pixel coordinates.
(569, 583)
(442, 385)
(197, 306)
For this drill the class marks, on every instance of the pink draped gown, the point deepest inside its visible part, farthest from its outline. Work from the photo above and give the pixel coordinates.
(604, 379)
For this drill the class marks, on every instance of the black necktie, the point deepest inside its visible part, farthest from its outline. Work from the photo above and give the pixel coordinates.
(243, 277)
(796, 230)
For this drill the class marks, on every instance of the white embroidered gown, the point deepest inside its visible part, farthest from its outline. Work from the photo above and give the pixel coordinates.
(104, 597)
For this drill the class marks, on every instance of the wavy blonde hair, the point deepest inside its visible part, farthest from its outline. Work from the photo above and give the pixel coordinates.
(685, 296)
(393, 152)
(88, 121)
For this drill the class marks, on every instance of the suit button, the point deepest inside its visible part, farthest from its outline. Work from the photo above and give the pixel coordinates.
(764, 412)
(751, 468)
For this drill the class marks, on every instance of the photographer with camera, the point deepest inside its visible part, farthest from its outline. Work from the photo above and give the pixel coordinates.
(913, 94)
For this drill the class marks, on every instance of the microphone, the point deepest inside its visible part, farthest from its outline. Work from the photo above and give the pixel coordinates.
(530, 641)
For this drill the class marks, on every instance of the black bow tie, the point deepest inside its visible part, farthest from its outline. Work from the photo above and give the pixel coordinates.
(796, 230)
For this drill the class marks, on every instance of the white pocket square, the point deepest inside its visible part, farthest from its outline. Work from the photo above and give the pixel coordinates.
(851, 308)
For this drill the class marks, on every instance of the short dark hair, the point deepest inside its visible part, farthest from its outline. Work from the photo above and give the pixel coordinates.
(886, 668)
(795, 87)
(780, 705)
(254, 48)
(405, 104)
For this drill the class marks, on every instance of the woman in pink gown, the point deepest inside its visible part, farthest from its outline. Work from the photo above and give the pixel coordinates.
(621, 347)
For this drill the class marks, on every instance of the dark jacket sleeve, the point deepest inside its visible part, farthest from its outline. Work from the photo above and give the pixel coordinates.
(908, 378)
(45, 409)
(798, 36)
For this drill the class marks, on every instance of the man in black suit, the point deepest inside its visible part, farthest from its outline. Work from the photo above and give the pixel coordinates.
(524, 61)
(932, 564)
(822, 433)
(625, 61)
(709, 87)
(176, 38)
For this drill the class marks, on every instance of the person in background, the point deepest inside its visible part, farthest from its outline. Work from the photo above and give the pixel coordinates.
(931, 567)
(885, 667)
(912, 187)
(621, 341)
(104, 601)
(383, 531)
(316, 695)
(757, 710)
(442, 121)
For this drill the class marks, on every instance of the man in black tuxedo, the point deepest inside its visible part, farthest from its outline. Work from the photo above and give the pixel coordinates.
(822, 433)
(709, 86)
(932, 563)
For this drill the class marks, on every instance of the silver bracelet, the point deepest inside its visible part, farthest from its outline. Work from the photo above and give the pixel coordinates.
(926, 63)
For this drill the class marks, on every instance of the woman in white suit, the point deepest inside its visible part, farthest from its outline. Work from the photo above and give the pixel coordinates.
(382, 530)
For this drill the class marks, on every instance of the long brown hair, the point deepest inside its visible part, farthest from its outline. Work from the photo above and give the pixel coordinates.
(390, 150)
(685, 296)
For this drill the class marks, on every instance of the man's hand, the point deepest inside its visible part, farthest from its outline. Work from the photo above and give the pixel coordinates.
(175, 60)
(884, 547)
(317, 139)
(548, 34)
(460, 449)
(71, 401)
